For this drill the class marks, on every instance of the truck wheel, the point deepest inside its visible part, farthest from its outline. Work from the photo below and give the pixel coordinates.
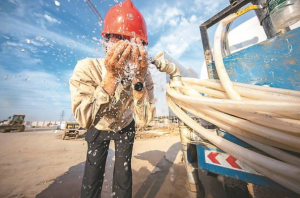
(63, 136)
(235, 188)
(2, 130)
(22, 129)
(77, 134)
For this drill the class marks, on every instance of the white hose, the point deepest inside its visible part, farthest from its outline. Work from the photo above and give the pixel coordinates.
(263, 117)
(282, 168)
(243, 135)
(232, 129)
(226, 83)
(250, 92)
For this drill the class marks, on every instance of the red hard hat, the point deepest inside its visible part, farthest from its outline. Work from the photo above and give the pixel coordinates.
(125, 19)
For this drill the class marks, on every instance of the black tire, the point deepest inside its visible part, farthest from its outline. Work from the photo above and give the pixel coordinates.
(235, 188)
(22, 129)
(77, 134)
(63, 136)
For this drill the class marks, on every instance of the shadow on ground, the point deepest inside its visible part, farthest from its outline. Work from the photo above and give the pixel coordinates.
(169, 173)
(66, 185)
(170, 179)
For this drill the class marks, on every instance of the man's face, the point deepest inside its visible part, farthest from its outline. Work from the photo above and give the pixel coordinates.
(113, 38)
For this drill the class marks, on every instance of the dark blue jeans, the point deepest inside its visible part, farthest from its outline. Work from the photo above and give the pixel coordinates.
(94, 171)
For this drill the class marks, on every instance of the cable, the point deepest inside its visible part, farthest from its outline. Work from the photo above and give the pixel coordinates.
(249, 112)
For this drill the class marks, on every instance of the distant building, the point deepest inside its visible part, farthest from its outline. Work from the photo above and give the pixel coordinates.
(160, 80)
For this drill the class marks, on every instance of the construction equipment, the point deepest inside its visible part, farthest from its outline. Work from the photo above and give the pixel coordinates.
(15, 122)
(72, 130)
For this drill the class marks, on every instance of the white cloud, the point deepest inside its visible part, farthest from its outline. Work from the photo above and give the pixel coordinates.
(20, 7)
(177, 28)
(193, 18)
(22, 55)
(12, 44)
(20, 29)
(208, 7)
(45, 20)
(51, 19)
(38, 93)
(162, 16)
(177, 40)
(14, 2)
(36, 43)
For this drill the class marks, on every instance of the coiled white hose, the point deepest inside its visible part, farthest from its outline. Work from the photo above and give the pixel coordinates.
(263, 117)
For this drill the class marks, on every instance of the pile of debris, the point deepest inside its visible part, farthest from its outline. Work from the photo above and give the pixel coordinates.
(151, 132)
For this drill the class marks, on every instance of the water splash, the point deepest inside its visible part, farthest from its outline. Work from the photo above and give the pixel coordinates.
(130, 16)
(57, 3)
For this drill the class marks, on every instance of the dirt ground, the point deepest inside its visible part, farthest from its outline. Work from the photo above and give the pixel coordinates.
(37, 163)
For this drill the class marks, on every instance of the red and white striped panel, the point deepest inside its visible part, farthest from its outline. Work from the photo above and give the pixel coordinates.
(227, 161)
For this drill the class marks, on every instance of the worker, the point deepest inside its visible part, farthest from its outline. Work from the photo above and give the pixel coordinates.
(112, 95)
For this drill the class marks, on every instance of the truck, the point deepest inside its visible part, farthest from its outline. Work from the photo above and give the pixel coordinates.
(229, 151)
(72, 129)
(15, 122)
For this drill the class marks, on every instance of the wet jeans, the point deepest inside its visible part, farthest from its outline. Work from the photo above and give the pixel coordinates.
(96, 159)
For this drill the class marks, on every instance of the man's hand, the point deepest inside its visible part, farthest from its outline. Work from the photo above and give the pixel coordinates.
(140, 58)
(115, 61)
(117, 58)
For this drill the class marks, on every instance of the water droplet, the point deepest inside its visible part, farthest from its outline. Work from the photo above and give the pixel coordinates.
(125, 163)
(133, 33)
(130, 16)
(116, 1)
(28, 40)
(6, 76)
(120, 4)
(171, 178)
(95, 152)
(57, 3)
(6, 37)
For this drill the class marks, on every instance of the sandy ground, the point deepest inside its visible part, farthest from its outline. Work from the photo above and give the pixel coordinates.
(37, 163)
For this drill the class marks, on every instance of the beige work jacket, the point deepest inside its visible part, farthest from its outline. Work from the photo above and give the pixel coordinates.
(92, 106)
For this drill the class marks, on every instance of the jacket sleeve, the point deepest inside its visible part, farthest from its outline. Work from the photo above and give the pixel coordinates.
(87, 95)
(144, 108)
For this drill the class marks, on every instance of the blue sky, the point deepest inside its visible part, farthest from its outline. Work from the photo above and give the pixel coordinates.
(41, 41)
